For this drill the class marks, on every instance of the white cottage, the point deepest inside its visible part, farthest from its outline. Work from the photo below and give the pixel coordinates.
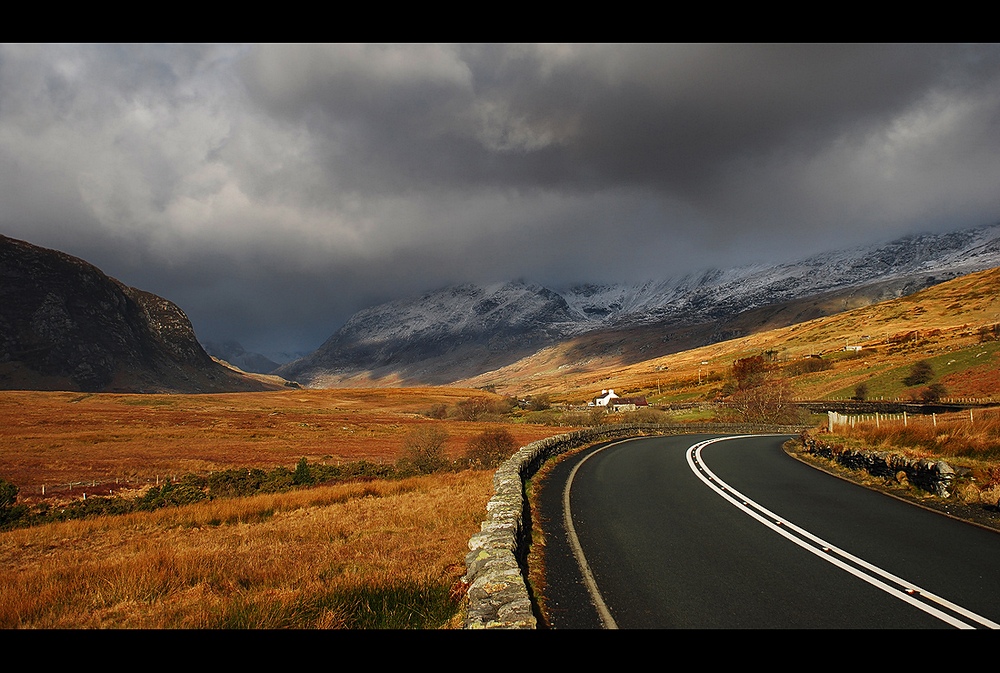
(605, 399)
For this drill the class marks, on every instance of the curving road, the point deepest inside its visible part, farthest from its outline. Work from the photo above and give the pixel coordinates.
(709, 532)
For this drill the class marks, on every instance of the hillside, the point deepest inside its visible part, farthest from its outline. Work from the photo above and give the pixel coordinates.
(457, 333)
(952, 322)
(65, 325)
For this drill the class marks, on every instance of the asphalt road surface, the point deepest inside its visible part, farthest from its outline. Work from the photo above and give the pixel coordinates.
(699, 531)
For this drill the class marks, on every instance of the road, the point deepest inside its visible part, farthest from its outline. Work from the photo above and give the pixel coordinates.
(668, 544)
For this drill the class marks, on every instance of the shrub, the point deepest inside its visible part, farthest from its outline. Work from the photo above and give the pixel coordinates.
(861, 392)
(647, 415)
(10, 512)
(483, 408)
(989, 333)
(8, 493)
(750, 372)
(423, 450)
(933, 393)
(438, 411)
(921, 372)
(302, 475)
(539, 402)
(809, 365)
(490, 448)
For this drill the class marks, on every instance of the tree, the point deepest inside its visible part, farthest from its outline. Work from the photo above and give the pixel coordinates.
(861, 392)
(539, 402)
(423, 450)
(933, 393)
(759, 395)
(766, 403)
(920, 372)
(750, 372)
(302, 475)
(8, 494)
(490, 448)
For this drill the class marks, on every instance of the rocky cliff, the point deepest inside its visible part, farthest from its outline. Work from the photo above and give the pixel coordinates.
(65, 325)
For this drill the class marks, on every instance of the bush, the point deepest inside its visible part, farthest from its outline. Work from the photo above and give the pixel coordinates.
(10, 512)
(933, 393)
(809, 365)
(861, 392)
(302, 475)
(647, 415)
(438, 411)
(423, 450)
(483, 408)
(8, 493)
(490, 448)
(921, 372)
(539, 402)
(989, 333)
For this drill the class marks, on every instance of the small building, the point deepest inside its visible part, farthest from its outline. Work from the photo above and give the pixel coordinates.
(629, 403)
(604, 400)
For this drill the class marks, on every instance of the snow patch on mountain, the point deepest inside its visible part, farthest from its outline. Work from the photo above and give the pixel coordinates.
(460, 331)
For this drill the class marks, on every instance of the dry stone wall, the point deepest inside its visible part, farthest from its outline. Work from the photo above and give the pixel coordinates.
(933, 476)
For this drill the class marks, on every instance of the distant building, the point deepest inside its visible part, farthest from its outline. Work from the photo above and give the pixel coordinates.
(604, 400)
(609, 399)
(629, 403)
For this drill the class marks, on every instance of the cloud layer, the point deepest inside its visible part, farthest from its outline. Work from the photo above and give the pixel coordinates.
(272, 190)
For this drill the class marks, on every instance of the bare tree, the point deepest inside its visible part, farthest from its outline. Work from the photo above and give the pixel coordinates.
(423, 450)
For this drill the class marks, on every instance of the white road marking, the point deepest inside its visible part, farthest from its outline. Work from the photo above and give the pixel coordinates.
(574, 542)
(904, 591)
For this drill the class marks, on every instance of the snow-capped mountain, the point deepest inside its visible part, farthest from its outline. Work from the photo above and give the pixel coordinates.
(439, 335)
(461, 331)
(711, 294)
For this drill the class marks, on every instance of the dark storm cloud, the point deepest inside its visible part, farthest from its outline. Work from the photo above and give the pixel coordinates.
(272, 190)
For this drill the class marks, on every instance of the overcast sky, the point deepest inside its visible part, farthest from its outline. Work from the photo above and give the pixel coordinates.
(273, 190)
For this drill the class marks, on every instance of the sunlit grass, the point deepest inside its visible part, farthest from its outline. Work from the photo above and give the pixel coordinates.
(964, 439)
(381, 554)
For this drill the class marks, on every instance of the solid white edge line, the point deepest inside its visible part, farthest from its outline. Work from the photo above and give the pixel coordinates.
(720, 487)
(574, 543)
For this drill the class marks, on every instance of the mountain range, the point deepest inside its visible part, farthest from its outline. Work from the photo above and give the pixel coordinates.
(459, 332)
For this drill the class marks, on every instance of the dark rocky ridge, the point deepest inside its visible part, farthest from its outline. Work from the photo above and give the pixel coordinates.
(65, 325)
(234, 353)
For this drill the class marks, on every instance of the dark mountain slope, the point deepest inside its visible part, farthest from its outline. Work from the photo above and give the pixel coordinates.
(65, 325)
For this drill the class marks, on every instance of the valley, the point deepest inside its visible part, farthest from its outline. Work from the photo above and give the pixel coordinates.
(376, 552)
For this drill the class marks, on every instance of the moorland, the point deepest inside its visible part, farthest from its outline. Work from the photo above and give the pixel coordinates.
(384, 547)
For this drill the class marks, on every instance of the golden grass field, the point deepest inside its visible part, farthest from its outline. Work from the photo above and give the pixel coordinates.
(381, 554)
(59, 438)
(357, 555)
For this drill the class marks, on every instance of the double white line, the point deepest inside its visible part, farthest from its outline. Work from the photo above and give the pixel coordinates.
(934, 605)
